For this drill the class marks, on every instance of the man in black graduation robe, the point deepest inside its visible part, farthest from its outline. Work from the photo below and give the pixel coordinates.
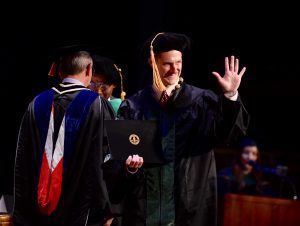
(62, 145)
(82, 176)
(182, 191)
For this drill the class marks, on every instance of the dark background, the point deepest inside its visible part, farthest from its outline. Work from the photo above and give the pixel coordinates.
(264, 38)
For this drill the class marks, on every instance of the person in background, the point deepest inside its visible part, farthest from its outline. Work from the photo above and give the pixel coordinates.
(61, 148)
(107, 77)
(182, 191)
(242, 177)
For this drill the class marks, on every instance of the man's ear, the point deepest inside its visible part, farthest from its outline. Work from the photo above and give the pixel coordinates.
(89, 70)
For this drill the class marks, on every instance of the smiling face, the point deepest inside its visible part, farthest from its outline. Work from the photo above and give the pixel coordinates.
(169, 65)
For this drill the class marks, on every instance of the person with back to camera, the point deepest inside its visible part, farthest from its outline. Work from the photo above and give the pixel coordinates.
(182, 191)
(58, 174)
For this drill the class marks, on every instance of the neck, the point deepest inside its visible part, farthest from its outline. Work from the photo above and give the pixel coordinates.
(73, 80)
(170, 89)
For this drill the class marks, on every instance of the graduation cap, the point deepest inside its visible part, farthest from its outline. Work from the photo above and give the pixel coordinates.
(164, 42)
(110, 71)
(65, 51)
(247, 141)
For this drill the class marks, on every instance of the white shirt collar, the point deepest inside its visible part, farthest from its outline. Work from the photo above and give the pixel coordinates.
(72, 80)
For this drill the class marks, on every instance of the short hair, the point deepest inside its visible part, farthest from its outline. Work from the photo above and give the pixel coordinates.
(70, 60)
(74, 63)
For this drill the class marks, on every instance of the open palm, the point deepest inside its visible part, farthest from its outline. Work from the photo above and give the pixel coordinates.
(231, 80)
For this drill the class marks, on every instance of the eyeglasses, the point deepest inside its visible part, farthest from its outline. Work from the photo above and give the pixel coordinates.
(97, 85)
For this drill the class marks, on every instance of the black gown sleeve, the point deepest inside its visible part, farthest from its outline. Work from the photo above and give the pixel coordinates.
(233, 120)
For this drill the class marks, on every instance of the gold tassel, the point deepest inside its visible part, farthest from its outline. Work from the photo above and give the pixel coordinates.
(158, 85)
(123, 94)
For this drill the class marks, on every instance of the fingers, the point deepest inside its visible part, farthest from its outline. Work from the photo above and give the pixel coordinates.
(233, 65)
(236, 66)
(217, 75)
(108, 222)
(242, 71)
(231, 70)
(226, 64)
(134, 161)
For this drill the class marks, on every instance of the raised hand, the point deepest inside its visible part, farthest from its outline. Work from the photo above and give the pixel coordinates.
(231, 80)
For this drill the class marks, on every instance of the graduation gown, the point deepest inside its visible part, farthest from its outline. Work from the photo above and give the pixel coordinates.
(182, 191)
(84, 152)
